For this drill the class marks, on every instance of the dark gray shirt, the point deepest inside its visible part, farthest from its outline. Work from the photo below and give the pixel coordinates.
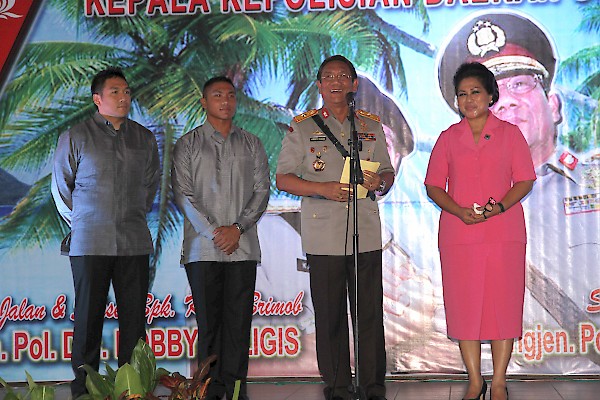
(103, 183)
(218, 181)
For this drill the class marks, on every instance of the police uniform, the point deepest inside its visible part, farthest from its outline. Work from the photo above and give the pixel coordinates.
(327, 230)
(562, 211)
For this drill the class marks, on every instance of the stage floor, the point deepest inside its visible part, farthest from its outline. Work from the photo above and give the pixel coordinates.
(413, 388)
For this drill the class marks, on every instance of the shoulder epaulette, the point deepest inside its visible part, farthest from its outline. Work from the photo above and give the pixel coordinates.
(305, 115)
(367, 114)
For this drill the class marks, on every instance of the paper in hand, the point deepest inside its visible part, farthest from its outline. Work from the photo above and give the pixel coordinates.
(365, 166)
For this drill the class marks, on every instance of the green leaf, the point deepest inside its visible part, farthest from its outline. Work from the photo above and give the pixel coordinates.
(161, 372)
(96, 384)
(144, 362)
(128, 381)
(42, 392)
(30, 382)
(111, 374)
(5, 384)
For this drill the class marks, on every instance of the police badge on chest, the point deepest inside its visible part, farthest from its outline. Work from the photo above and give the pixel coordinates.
(318, 164)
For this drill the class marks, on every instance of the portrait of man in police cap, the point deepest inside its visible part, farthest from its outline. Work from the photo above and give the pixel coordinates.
(562, 211)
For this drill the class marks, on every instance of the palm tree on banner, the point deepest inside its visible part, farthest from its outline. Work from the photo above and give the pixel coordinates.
(584, 64)
(373, 45)
(166, 60)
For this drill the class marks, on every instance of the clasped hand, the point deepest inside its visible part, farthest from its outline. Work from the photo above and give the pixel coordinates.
(469, 216)
(227, 238)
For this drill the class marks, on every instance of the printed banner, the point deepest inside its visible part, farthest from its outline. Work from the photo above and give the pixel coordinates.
(406, 52)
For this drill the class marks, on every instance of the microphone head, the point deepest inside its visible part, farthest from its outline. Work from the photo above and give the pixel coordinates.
(350, 97)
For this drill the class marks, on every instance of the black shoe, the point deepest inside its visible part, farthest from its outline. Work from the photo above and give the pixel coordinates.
(482, 392)
(377, 398)
(327, 392)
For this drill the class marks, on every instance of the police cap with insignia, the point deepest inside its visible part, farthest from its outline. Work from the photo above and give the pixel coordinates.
(505, 42)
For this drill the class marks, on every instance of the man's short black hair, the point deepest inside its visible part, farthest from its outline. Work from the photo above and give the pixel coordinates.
(214, 80)
(101, 77)
(482, 74)
(340, 58)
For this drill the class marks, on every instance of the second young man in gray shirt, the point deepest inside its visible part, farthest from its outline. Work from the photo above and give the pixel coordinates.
(221, 183)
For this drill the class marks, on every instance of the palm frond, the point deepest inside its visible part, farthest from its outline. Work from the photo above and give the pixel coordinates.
(34, 222)
(31, 140)
(591, 17)
(54, 70)
(585, 61)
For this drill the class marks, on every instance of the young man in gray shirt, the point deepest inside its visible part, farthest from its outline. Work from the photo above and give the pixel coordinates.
(105, 176)
(221, 183)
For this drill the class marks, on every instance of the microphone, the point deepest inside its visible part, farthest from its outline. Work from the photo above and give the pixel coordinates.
(350, 98)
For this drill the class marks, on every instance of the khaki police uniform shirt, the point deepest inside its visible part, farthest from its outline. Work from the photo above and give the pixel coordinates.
(323, 222)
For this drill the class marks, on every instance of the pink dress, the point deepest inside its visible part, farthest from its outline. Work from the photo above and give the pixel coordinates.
(483, 265)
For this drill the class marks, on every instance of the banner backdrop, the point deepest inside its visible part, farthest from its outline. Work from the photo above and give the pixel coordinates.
(406, 52)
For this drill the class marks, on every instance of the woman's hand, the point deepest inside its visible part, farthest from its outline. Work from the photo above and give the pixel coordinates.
(469, 216)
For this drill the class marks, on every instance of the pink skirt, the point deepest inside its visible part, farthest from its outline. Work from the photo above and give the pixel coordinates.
(484, 287)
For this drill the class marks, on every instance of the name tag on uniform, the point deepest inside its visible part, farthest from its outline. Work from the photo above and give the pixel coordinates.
(582, 204)
(369, 137)
(318, 138)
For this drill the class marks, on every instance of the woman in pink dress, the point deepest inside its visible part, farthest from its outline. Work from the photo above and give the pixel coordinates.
(479, 170)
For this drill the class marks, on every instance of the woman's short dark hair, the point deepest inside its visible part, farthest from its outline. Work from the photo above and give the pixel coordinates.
(102, 76)
(482, 74)
(339, 58)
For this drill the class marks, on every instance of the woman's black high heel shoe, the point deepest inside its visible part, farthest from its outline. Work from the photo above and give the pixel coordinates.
(482, 392)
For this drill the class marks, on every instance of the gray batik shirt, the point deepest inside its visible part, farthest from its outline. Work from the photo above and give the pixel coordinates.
(218, 181)
(103, 183)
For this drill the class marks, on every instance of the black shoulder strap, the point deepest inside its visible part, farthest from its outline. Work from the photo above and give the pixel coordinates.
(327, 131)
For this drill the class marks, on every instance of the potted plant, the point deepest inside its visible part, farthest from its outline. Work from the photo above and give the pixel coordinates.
(135, 380)
(138, 379)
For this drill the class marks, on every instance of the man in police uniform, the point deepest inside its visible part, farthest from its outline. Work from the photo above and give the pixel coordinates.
(310, 165)
(563, 209)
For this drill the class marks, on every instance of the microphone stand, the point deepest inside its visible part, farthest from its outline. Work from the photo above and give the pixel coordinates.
(356, 178)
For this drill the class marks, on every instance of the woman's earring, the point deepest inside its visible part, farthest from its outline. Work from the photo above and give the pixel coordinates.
(456, 102)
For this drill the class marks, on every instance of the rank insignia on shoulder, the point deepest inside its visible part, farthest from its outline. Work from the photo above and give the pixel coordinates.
(367, 114)
(304, 115)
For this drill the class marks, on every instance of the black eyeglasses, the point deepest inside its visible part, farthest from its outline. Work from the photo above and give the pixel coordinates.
(336, 77)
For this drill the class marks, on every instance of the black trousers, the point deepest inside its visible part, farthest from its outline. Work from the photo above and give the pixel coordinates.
(92, 276)
(223, 294)
(331, 280)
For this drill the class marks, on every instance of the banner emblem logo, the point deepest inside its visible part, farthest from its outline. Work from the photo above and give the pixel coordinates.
(5, 6)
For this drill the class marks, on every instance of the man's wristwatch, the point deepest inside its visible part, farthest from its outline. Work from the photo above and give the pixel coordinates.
(382, 186)
(240, 227)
